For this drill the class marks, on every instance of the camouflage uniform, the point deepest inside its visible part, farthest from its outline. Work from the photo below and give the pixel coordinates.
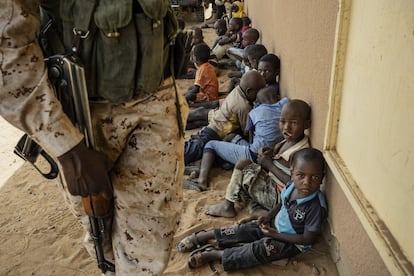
(141, 136)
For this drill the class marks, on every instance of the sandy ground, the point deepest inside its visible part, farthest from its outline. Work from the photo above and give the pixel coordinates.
(39, 236)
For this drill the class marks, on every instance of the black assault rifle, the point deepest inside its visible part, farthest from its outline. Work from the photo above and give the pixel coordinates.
(68, 79)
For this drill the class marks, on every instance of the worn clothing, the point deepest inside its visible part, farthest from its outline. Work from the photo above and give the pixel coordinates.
(206, 79)
(264, 123)
(24, 89)
(295, 217)
(257, 188)
(245, 28)
(193, 148)
(252, 187)
(300, 215)
(304, 143)
(236, 54)
(235, 106)
(140, 136)
(221, 50)
(256, 250)
(229, 117)
(231, 152)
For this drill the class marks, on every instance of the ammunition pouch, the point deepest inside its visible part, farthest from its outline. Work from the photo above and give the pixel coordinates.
(125, 44)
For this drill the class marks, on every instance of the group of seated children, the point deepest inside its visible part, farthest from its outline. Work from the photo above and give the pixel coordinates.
(276, 173)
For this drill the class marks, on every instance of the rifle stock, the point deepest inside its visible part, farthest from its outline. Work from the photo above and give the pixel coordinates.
(99, 209)
(29, 151)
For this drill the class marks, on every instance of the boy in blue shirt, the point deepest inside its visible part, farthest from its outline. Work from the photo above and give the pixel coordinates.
(263, 129)
(283, 232)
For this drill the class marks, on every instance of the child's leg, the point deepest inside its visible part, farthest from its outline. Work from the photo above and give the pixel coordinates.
(220, 50)
(207, 162)
(259, 252)
(190, 96)
(226, 207)
(195, 240)
(263, 194)
(229, 152)
(240, 233)
(195, 124)
(234, 192)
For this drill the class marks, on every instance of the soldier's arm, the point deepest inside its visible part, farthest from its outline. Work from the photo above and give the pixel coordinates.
(27, 100)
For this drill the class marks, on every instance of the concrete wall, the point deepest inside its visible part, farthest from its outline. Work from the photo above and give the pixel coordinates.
(371, 100)
(302, 34)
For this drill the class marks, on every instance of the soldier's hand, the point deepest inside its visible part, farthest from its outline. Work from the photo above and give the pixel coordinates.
(86, 172)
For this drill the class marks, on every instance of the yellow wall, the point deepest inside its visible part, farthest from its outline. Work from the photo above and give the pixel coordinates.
(301, 33)
(376, 127)
(377, 73)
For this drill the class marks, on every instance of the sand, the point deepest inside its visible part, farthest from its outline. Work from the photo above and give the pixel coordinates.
(39, 235)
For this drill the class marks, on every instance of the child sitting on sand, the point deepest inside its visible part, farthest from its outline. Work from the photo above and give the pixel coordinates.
(205, 86)
(288, 229)
(256, 183)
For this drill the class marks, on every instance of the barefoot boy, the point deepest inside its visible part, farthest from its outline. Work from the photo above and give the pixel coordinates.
(256, 183)
(287, 230)
(263, 128)
(229, 117)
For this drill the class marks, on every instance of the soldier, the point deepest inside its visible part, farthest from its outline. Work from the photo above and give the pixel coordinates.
(136, 114)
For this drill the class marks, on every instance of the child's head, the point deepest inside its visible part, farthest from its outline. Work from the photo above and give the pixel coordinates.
(250, 83)
(246, 21)
(253, 53)
(307, 170)
(269, 67)
(181, 24)
(220, 26)
(294, 119)
(201, 53)
(250, 37)
(197, 36)
(235, 24)
(267, 95)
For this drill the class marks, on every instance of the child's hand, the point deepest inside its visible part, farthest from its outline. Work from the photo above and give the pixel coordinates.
(268, 231)
(263, 220)
(264, 160)
(266, 151)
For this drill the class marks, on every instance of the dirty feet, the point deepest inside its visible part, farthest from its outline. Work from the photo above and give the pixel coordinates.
(223, 209)
(192, 184)
(202, 256)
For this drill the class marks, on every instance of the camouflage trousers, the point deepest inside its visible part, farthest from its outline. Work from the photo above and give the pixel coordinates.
(252, 188)
(142, 138)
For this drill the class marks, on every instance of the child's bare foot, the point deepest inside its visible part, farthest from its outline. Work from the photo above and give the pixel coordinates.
(223, 209)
